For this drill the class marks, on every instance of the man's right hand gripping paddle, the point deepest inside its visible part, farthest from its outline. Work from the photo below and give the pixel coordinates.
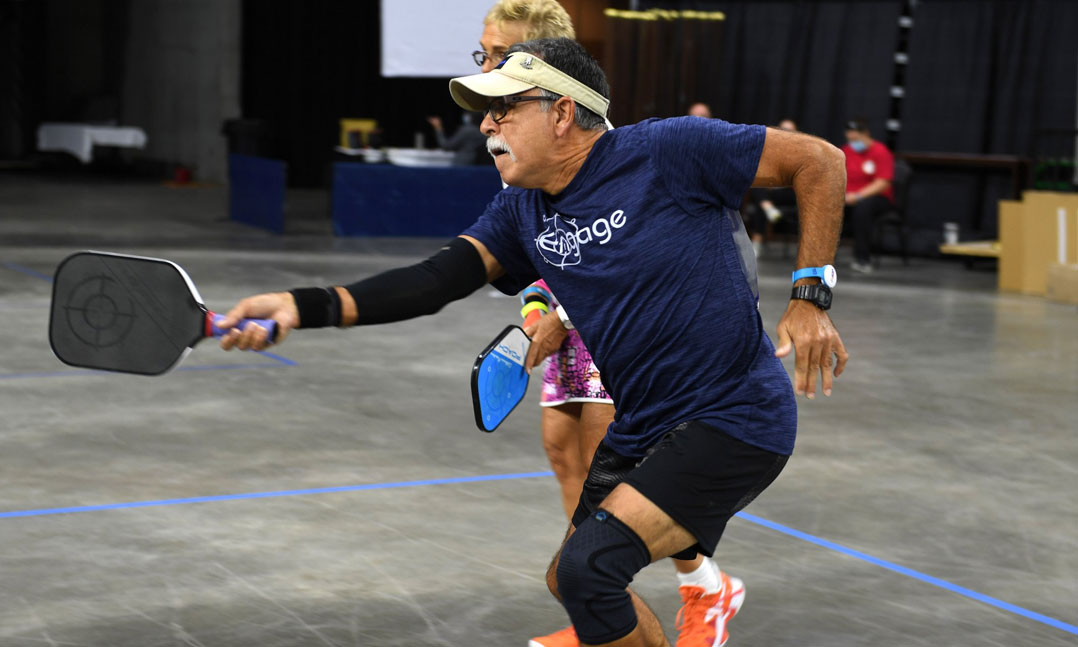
(278, 306)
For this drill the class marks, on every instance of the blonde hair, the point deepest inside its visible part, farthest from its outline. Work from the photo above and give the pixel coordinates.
(541, 18)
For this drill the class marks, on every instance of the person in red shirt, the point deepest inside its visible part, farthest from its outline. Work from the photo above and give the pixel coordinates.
(870, 167)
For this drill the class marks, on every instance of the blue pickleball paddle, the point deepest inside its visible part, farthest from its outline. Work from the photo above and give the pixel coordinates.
(498, 378)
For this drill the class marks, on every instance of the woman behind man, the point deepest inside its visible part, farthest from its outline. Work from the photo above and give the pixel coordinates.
(576, 408)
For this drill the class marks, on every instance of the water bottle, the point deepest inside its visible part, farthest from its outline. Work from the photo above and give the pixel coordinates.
(950, 233)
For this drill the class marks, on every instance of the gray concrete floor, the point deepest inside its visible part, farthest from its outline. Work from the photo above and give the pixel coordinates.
(949, 449)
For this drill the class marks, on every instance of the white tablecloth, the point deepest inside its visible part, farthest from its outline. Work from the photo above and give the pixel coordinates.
(79, 139)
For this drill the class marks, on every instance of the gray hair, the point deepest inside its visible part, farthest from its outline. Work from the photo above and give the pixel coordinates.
(571, 58)
(583, 117)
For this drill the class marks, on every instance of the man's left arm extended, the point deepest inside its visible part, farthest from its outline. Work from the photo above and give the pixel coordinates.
(817, 172)
(458, 269)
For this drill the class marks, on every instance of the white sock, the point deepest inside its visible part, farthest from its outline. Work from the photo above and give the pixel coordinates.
(706, 576)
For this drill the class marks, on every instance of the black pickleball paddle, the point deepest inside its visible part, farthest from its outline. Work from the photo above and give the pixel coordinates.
(130, 314)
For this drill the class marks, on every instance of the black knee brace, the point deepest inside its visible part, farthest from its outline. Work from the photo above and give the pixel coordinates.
(596, 565)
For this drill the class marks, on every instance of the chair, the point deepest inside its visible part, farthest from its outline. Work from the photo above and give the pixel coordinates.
(895, 217)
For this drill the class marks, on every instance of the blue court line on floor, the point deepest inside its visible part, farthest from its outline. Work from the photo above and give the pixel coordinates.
(211, 367)
(283, 360)
(771, 525)
(26, 270)
(909, 572)
(270, 495)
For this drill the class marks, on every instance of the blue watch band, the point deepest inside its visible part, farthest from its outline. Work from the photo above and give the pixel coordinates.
(827, 274)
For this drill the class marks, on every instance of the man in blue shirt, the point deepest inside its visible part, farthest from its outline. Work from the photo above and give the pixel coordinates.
(636, 230)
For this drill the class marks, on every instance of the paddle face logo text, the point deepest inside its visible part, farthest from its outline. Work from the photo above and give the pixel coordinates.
(510, 352)
(559, 244)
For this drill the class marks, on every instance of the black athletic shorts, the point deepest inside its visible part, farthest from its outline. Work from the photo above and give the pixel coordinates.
(697, 474)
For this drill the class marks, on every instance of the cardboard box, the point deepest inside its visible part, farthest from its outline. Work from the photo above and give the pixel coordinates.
(362, 126)
(1034, 234)
(1062, 283)
(1011, 257)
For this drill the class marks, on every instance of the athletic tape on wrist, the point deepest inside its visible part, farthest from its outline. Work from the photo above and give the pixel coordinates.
(534, 292)
(318, 307)
(534, 298)
(531, 306)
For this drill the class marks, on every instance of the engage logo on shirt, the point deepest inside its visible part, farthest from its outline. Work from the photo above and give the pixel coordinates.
(559, 244)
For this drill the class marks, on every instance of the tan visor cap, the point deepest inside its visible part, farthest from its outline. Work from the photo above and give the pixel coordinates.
(518, 73)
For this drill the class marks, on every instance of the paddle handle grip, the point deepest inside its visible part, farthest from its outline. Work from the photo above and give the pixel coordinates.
(212, 330)
(532, 317)
(536, 299)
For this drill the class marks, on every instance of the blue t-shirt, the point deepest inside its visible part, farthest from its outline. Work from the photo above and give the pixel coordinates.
(647, 253)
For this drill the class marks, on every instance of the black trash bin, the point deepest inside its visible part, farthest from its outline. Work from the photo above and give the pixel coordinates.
(249, 137)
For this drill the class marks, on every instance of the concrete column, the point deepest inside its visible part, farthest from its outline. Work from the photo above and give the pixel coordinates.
(183, 79)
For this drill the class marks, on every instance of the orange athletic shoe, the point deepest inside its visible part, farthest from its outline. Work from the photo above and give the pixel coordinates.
(564, 638)
(701, 622)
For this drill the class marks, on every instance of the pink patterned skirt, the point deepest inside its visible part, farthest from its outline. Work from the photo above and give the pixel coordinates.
(571, 376)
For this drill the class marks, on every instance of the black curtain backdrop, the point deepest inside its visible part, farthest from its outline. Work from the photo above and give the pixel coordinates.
(306, 65)
(983, 78)
(659, 64)
(818, 63)
(14, 90)
(60, 60)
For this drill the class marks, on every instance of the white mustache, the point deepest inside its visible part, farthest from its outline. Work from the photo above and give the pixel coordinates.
(496, 144)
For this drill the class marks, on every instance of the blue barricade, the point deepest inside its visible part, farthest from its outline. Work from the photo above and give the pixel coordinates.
(385, 200)
(256, 191)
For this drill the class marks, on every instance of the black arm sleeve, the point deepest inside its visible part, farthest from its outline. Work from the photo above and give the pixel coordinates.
(453, 273)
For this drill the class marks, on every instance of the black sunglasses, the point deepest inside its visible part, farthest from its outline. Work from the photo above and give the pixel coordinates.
(499, 106)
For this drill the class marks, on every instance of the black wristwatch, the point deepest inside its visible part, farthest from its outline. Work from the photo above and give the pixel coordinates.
(818, 295)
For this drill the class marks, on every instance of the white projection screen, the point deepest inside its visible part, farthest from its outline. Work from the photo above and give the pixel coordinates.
(432, 38)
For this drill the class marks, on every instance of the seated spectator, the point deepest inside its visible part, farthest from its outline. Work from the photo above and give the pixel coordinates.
(766, 205)
(468, 143)
(870, 167)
